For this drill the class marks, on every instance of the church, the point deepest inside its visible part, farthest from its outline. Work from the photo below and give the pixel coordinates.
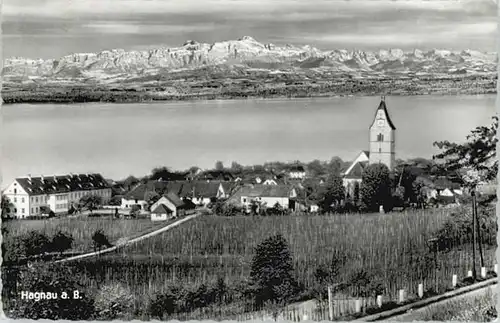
(382, 148)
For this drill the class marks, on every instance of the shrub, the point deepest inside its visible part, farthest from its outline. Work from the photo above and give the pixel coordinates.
(457, 229)
(113, 301)
(36, 243)
(272, 272)
(61, 242)
(52, 279)
(100, 240)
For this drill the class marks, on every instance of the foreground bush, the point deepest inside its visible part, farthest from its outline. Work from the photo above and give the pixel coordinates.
(113, 301)
(457, 229)
(56, 280)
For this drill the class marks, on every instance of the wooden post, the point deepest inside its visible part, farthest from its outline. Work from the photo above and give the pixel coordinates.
(483, 272)
(420, 290)
(454, 281)
(358, 306)
(330, 303)
(401, 296)
(379, 301)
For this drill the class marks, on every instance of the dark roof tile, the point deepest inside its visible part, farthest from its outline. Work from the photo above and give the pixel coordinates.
(62, 184)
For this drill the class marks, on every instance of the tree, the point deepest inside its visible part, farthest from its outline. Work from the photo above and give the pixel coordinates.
(333, 193)
(335, 165)
(236, 168)
(475, 160)
(61, 242)
(91, 202)
(219, 166)
(316, 168)
(6, 206)
(130, 181)
(100, 240)
(356, 194)
(271, 272)
(375, 188)
(151, 197)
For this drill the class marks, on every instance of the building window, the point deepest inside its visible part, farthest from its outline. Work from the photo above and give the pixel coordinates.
(22, 201)
(32, 210)
(15, 210)
(22, 211)
(36, 199)
(244, 200)
(15, 199)
(15, 191)
(380, 150)
(36, 209)
(380, 137)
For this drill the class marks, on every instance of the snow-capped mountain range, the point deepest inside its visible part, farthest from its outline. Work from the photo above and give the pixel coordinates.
(247, 53)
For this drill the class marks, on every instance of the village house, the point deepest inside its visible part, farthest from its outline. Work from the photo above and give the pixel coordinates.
(167, 207)
(297, 172)
(38, 196)
(382, 144)
(265, 195)
(197, 192)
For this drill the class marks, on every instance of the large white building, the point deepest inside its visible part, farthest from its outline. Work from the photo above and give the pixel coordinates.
(33, 196)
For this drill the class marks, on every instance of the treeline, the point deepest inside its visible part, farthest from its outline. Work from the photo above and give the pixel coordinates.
(277, 88)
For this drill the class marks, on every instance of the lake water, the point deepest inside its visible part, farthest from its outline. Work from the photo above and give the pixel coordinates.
(121, 139)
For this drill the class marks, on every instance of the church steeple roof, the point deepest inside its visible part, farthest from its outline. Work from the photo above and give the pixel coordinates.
(382, 106)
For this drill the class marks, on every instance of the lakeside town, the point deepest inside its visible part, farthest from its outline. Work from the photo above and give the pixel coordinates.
(249, 160)
(103, 231)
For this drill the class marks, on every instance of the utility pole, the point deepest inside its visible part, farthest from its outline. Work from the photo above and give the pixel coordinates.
(474, 275)
(474, 213)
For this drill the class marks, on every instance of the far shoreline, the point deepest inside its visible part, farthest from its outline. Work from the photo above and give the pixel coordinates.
(197, 99)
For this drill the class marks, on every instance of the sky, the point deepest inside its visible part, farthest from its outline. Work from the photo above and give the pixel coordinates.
(54, 28)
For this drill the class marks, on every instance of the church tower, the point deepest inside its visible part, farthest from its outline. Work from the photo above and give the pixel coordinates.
(382, 138)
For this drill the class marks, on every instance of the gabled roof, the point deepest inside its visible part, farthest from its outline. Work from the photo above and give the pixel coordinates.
(297, 168)
(174, 199)
(266, 190)
(162, 208)
(383, 107)
(62, 184)
(356, 172)
(216, 175)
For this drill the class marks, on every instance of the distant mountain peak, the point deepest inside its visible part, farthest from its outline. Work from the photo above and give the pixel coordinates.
(233, 56)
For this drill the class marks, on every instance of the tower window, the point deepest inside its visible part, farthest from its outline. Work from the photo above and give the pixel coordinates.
(380, 137)
(380, 150)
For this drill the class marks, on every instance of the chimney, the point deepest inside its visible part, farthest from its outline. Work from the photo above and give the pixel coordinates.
(55, 178)
(41, 177)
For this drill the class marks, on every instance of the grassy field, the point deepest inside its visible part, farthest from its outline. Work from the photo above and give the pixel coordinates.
(392, 248)
(82, 228)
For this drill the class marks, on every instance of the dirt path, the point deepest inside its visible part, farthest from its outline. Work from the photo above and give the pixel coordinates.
(406, 312)
(123, 242)
(416, 315)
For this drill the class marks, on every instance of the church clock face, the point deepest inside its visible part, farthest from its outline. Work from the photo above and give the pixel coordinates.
(380, 122)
